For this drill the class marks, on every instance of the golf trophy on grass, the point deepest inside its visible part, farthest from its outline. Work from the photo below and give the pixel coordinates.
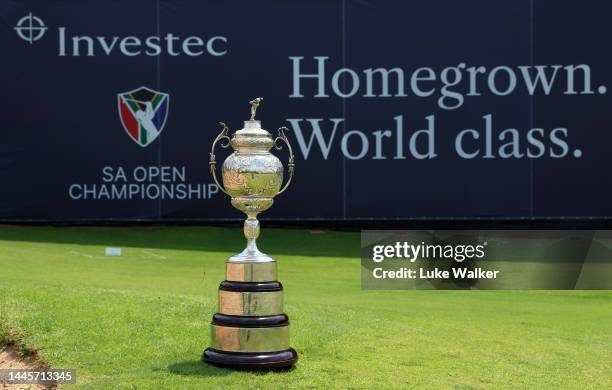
(251, 330)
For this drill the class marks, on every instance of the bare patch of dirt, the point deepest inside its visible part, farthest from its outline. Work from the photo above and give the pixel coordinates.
(11, 359)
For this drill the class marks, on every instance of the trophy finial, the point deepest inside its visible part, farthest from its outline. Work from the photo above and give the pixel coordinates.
(254, 104)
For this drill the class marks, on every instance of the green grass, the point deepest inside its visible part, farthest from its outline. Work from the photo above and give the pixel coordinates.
(142, 320)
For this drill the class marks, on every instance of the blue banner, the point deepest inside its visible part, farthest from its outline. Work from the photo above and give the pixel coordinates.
(396, 109)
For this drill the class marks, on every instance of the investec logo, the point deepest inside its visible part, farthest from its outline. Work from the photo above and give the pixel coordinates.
(31, 28)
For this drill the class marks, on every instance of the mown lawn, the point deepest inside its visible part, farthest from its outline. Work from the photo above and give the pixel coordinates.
(141, 320)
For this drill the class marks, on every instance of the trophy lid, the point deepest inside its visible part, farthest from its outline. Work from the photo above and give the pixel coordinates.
(252, 135)
(253, 128)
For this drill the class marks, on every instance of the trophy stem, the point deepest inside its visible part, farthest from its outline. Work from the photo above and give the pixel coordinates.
(251, 232)
(251, 253)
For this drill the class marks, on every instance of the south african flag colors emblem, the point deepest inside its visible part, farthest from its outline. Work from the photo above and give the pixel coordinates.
(143, 113)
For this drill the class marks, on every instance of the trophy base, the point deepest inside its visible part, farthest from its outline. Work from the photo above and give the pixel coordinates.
(251, 360)
(250, 330)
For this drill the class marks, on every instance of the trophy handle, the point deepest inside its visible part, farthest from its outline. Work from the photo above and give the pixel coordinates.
(213, 163)
(291, 164)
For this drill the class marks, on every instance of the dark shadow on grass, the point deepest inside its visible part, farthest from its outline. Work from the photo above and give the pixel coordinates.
(195, 238)
(199, 368)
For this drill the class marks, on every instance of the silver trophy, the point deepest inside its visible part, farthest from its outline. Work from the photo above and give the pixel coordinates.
(251, 330)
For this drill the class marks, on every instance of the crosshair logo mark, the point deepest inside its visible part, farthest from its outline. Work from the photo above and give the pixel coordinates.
(30, 28)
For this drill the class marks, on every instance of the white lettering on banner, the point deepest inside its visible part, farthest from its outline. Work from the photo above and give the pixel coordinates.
(132, 46)
(450, 87)
(469, 143)
(384, 82)
(150, 191)
(149, 183)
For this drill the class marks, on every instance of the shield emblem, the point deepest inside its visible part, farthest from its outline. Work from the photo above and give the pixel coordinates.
(143, 113)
